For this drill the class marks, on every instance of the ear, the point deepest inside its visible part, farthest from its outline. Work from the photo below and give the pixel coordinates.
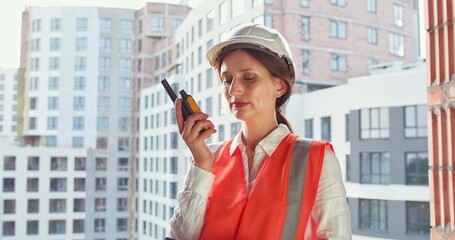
(280, 87)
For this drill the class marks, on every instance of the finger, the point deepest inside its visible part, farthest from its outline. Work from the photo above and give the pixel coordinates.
(199, 127)
(191, 121)
(179, 115)
(207, 133)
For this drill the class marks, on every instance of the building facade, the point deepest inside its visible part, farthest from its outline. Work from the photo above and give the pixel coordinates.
(380, 138)
(331, 41)
(8, 101)
(74, 91)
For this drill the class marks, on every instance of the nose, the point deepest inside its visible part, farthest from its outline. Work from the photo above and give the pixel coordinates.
(235, 88)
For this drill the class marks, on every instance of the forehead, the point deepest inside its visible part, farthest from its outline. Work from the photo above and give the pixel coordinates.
(239, 59)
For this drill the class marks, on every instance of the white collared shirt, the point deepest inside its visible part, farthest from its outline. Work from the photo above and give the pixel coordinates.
(330, 214)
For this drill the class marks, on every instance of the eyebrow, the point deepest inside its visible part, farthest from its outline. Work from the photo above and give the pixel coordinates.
(241, 70)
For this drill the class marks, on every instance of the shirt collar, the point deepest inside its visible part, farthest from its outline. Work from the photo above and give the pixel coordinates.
(268, 144)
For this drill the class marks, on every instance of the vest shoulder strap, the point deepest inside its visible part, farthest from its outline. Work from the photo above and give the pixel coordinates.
(215, 148)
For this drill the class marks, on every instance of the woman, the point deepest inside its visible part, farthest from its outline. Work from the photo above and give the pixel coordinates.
(265, 183)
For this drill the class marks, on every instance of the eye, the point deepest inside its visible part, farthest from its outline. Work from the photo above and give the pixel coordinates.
(226, 79)
(249, 77)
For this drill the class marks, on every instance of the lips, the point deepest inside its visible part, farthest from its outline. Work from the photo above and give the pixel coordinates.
(239, 105)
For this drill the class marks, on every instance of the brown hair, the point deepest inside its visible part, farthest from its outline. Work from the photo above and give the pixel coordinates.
(276, 69)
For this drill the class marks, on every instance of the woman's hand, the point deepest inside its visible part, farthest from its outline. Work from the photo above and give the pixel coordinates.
(190, 131)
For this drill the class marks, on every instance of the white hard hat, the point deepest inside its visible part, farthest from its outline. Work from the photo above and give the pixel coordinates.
(259, 37)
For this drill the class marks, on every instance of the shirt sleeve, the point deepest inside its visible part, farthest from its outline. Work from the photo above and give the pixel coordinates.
(330, 215)
(189, 214)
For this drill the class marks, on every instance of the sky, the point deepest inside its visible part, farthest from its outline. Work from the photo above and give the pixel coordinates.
(11, 12)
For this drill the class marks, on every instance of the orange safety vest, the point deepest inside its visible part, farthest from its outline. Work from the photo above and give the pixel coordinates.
(279, 204)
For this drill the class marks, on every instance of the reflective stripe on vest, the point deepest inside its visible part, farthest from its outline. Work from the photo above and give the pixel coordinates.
(279, 204)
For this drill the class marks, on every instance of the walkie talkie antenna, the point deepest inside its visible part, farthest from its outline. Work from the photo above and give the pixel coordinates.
(169, 90)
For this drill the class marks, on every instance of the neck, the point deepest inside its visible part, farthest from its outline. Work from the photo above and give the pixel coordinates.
(254, 132)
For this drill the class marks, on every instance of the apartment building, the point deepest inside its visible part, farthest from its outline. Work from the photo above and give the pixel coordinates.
(331, 41)
(75, 93)
(8, 101)
(379, 133)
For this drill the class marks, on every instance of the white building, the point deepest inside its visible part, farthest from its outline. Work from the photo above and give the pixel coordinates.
(8, 101)
(76, 97)
(378, 128)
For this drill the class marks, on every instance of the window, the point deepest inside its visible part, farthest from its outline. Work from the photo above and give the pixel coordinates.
(100, 225)
(308, 128)
(35, 64)
(415, 121)
(268, 20)
(122, 204)
(33, 123)
(79, 205)
(100, 184)
(304, 3)
(9, 228)
(81, 44)
(371, 6)
(306, 61)
(396, 44)
(237, 7)
(51, 141)
(78, 123)
(33, 103)
(79, 184)
(157, 24)
(57, 205)
(338, 62)
(9, 163)
(375, 167)
(122, 184)
(32, 184)
(81, 24)
(326, 129)
(347, 122)
(55, 24)
(338, 29)
(173, 187)
(53, 83)
(126, 45)
(101, 142)
(126, 26)
(123, 164)
(36, 25)
(123, 144)
(33, 163)
(79, 104)
(32, 227)
(373, 214)
(268, 1)
(398, 15)
(103, 103)
(176, 23)
(35, 45)
(235, 128)
(105, 24)
(32, 205)
(105, 63)
(57, 226)
(80, 64)
(374, 123)
(103, 83)
(59, 163)
(9, 206)
(416, 168)
(306, 28)
(101, 164)
(124, 124)
(348, 168)
(105, 44)
(338, 2)
(79, 163)
(125, 65)
(102, 123)
(78, 225)
(58, 185)
(34, 83)
(372, 35)
(78, 142)
(223, 13)
(125, 104)
(122, 224)
(54, 44)
(417, 218)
